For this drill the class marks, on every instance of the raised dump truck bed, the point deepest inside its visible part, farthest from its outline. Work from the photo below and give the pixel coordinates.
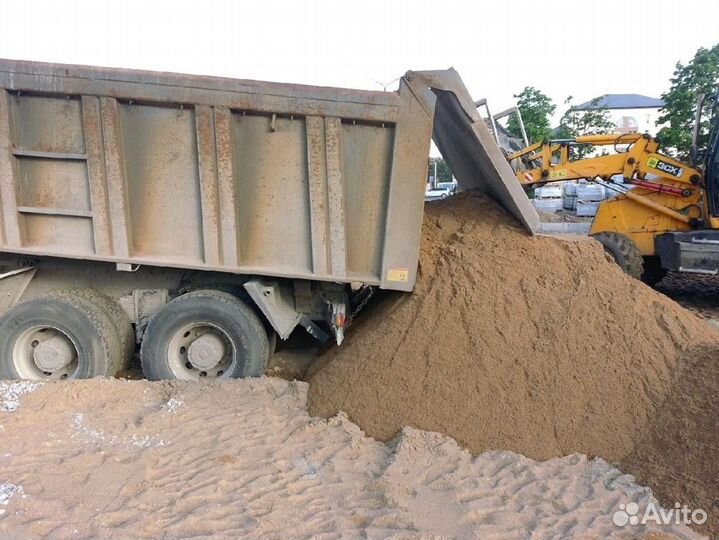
(212, 174)
(186, 181)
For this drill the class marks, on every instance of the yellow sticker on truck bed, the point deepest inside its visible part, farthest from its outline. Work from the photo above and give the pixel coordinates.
(398, 274)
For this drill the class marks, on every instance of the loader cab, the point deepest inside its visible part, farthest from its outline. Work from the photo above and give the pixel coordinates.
(697, 251)
(711, 163)
(706, 157)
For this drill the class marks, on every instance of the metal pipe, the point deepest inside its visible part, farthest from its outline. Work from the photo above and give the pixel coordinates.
(515, 110)
(658, 207)
(483, 103)
(521, 127)
(658, 188)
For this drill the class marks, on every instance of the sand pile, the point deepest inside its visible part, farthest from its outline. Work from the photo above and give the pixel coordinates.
(537, 345)
(679, 455)
(243, 459)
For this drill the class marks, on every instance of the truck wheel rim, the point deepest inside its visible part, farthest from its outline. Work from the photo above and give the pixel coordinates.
(201, 350)
(45, 352)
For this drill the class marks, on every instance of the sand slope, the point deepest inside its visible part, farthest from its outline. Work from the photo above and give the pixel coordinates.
(111, 458)
(535, 344)
(679, 455)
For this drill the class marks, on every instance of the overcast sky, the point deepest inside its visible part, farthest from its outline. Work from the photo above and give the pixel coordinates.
(570, 47)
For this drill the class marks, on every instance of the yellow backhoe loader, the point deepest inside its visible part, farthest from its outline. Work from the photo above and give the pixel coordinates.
(669, 221)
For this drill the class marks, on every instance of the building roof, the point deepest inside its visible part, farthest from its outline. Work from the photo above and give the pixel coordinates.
(621, 101)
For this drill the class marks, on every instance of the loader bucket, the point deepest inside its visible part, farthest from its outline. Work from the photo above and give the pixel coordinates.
(468, 146)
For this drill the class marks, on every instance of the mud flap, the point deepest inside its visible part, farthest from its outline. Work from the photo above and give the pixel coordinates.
(467, 144)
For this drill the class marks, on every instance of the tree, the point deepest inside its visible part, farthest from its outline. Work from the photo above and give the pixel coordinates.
(536, 110)
(699, 76)
(444, 173)
(590, 121)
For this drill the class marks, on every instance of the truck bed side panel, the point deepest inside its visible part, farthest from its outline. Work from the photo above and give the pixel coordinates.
(205, 173)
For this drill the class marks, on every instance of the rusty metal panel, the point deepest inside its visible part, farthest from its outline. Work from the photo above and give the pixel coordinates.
(12, 225)
(209, 196)
(48, 124)
(226, 186)
(367, 165)
(92, 132)
(406, 194)
(163, 184)
(177, 88)
(317, 172)
(64, 234)
(116, 181)
(335, 197)
(272, 187)
(52, 184)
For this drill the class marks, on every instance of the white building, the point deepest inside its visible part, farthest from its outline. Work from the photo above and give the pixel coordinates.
(631, 113)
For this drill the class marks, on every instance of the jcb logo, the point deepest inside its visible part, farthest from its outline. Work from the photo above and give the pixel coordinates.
(665, 167)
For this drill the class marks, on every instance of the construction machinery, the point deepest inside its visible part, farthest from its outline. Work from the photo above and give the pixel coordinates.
(669, 221)
(201, 218)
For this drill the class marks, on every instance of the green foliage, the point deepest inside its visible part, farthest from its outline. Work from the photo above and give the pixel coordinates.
(536, 110)
(444, 173)
(575, 123)
(699, 76)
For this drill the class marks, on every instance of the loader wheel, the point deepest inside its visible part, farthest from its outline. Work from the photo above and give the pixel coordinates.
(64, 335)
(624, 252)
(204, 334)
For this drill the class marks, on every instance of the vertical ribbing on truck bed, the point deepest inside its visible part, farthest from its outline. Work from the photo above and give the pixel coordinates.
(317, 171)
(92, 133)
(116, 181)
(12, 236)
(207, 164)
(335, 196)
(226, 187)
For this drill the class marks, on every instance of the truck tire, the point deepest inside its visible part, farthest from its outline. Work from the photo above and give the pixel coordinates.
(204, 334)
(624, 252)
(62, 335)
(118, 318)
(235, 287)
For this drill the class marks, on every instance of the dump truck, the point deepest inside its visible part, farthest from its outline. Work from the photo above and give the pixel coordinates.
(198, 219)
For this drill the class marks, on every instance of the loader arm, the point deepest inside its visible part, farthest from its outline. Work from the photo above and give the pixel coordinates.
(550, 161)
(668, 195)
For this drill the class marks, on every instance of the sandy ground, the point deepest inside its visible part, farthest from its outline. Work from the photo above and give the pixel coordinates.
(113, 458)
